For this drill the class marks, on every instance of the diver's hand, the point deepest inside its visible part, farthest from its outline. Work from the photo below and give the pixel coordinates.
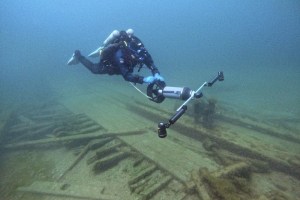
(149, 79)
(158, 77)
(152, 79)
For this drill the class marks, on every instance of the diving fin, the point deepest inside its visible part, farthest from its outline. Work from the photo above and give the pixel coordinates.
(73, 60)
(96, 52)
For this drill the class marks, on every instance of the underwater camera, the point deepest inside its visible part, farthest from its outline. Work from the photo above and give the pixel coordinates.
(158, 91)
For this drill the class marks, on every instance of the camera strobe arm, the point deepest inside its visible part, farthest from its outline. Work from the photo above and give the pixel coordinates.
(197, 94)
(162, 127)
(162, 132)
(219, 77)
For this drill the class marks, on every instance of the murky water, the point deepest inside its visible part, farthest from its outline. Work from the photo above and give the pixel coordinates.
(70, 134)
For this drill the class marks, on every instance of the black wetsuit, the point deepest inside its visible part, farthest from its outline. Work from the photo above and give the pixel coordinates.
(120, 57)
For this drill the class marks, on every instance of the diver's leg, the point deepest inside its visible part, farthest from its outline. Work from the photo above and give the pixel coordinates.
(97, 68)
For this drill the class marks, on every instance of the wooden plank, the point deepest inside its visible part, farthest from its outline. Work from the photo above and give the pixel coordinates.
(142, 174)
(109, 161)
(242, 150)
(92, 144)
(169, 156)
(150, 192)
(233, 170)
(69, 138)
(66, 190)
(200, 187)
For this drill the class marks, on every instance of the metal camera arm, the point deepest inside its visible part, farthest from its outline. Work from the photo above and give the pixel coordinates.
(197, 94)
(162, 132)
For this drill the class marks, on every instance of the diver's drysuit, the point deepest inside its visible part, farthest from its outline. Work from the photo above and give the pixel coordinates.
(120, 56)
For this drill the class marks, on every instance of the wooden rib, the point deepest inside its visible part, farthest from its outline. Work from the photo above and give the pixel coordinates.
(147, 194)
(107, 162)
(142, 174)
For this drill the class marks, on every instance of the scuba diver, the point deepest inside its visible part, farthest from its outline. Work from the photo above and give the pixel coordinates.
(121, 52)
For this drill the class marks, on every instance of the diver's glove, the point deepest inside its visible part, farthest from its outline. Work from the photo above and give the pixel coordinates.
(149, 79)
(158, 77)
(152, 79)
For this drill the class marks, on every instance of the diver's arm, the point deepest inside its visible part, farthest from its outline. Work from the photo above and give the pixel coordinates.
(153, 69)
(144, 55)
(128, 76)
(146, 59)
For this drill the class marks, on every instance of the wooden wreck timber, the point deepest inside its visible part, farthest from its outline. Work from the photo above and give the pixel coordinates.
(233, 170)
(141, 175)
(29, 125)
(68, 190)
(97, 143)
(151, 191)
(109, 161)
(104, 152)
(219, 184)
(77, 160)
(153, 168)
(223, 143)
(93, 144)
(199, 185)
(64, 139)
(262, 130)
(144, 183)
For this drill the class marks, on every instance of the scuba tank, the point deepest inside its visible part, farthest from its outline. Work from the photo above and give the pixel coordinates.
(111, 37)
(116, 34)
(109, 40)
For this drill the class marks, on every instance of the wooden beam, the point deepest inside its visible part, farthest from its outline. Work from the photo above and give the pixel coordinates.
(66, 190)
(70, 138)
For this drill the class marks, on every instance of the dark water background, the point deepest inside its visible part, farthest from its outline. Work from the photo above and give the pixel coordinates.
(256, 44)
